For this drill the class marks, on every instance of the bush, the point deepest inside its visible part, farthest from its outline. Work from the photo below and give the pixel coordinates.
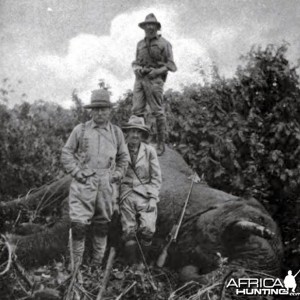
(32, 136)
(243, 133)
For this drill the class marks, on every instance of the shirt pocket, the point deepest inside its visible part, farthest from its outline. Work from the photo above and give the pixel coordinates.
(156, 52)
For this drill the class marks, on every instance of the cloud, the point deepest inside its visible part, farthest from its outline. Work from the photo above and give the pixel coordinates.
(53, 52)
(90, 57)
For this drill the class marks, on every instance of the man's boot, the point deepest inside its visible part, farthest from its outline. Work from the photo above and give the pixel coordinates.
(78, 250)
(161, 135)
(99, 247)
(78, 243)
(146, 246)
(131, 252)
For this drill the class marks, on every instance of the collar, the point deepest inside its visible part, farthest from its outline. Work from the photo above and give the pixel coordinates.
(153, 38)
(132, 148)
(94, 125)
(141, 152)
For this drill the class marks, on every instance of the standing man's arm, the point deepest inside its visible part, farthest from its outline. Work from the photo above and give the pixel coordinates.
(137, 68)
(170, 65)
(68, 158)
(154, 184)
(122, 157)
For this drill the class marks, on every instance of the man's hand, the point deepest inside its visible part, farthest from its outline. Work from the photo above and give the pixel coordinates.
(151, 205)
(142, 71)
(156, 72)
(138, 70)
(115, 177)
(80, 177)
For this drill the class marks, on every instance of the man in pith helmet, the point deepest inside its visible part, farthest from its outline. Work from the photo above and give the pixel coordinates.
(139, 190)
(97, 157)
(154, 59)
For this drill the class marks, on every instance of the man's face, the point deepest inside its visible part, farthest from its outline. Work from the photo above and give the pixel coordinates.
(150, 29)
(134, 136)
(101, 115)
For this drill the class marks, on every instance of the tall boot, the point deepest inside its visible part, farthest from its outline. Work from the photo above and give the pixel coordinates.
(78, 243)
(131, 252)
(161, 135)
(99, 247)
(146, 244)
(78, 250)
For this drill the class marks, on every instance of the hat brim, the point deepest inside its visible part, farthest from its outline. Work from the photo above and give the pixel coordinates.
(142, 24)
(98, 106)
(144, 129)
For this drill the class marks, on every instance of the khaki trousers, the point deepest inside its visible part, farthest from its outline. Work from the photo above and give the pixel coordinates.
(94, 199)
(148, 91)
(136, 218)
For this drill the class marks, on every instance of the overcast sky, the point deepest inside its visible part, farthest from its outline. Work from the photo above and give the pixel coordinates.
(54, 46)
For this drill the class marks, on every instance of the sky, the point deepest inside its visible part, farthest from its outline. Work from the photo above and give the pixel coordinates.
(51, 47)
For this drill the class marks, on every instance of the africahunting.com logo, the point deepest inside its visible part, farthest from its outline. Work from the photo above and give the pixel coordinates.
(265, 286)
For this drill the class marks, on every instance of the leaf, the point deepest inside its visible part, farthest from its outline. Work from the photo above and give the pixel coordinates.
(219, 173)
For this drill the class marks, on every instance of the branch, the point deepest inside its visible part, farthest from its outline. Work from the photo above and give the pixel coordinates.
(10, 251)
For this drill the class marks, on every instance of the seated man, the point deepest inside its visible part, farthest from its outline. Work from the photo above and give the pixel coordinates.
(139, 190)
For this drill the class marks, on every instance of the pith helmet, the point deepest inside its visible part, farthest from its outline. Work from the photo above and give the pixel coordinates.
(99, 99)
(136, 122)
(150, 19)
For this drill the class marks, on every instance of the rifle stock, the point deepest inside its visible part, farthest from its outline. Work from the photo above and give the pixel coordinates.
(163, 255)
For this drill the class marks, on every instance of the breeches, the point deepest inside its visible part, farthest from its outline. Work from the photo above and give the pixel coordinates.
(93, 200)
(148, 91)
(134, 217)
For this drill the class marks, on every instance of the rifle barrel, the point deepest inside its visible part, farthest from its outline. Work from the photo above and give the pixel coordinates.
(163, 255)
(184, 208)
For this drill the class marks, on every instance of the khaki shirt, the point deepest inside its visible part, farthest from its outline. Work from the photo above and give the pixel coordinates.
(94, 149)
(155, 53)
(147, 169)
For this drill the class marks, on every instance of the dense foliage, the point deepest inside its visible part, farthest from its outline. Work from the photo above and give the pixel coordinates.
(32, 136)
(241, 134)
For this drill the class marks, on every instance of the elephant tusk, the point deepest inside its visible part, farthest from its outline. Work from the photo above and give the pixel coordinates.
(253, 228)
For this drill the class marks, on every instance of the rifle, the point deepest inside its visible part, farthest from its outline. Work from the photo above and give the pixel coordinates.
(175, 229)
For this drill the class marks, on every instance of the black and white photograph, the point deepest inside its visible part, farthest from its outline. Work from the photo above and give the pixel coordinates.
(149, 150)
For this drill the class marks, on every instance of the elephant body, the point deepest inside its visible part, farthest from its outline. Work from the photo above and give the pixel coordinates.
(209, 230)
(212, 228)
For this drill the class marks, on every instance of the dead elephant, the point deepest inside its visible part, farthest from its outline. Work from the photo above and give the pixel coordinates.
(216, 224)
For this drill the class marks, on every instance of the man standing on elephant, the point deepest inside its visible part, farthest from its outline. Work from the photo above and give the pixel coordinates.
(154, 58)
(97, 157)
(139, 190)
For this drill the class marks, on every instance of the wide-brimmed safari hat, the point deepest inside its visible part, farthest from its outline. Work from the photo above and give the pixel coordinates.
(150, 19)
(136, 122)
(99, 99)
